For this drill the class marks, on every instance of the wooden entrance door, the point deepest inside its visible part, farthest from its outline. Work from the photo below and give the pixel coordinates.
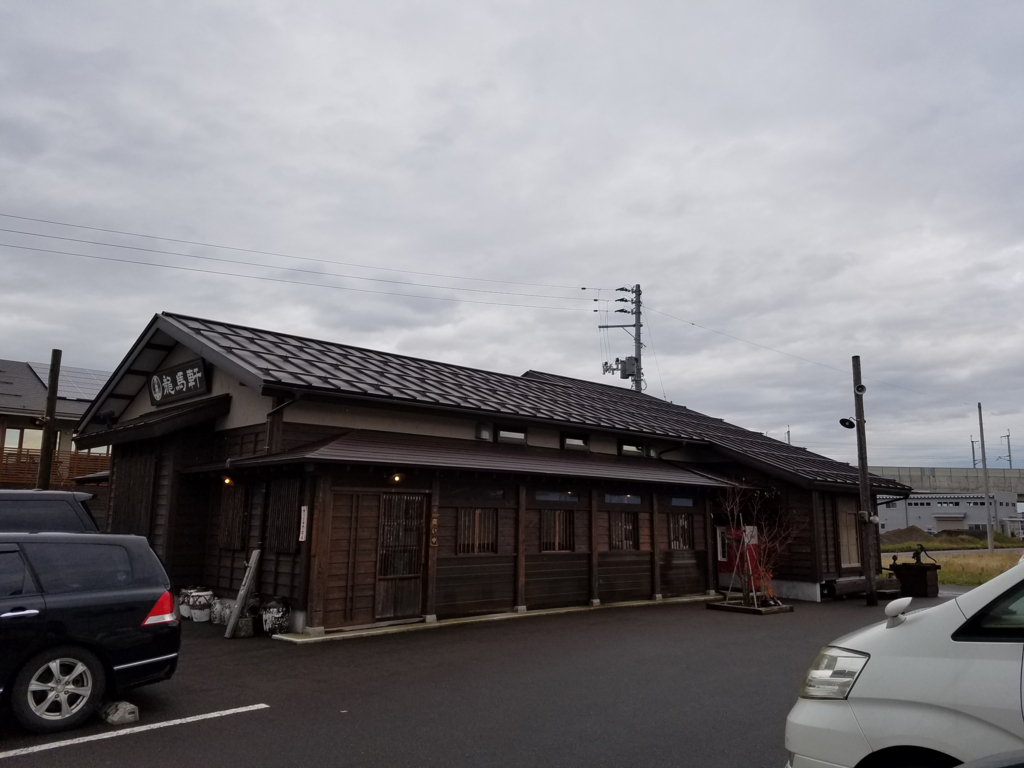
(400, 558)
(347, 559)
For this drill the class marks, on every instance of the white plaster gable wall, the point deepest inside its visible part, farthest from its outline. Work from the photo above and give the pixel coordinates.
(247, 406)
(141, 405)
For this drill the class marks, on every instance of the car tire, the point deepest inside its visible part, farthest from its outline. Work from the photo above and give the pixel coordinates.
(58, 689)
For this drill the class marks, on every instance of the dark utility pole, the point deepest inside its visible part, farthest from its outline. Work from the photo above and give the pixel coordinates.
(631, 367)
(866, 554)
(49, 424)
(984, 477)
(637, 346)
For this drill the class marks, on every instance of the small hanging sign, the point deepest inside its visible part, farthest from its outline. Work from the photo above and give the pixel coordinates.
(302, 523)
(178, 383)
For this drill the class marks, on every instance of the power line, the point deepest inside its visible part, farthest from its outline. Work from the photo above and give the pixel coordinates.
(291, 282)
(286, 255)
(657, 367)
(292, 269)
(795, 357)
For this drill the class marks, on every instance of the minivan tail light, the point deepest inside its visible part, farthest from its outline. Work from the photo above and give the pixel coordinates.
(162, 612)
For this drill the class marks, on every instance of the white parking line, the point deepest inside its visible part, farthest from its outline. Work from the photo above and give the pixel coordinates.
(129, 731)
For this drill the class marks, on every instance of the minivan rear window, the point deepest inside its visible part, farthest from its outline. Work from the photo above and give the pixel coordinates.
(25, 515)
(79, 567)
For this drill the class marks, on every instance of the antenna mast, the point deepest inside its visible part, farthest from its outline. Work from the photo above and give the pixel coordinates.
(630, 367)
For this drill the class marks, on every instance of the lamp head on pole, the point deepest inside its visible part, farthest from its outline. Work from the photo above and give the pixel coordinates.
(848, 423)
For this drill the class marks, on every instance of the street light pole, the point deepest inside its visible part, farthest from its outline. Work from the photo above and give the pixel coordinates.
(866, 554)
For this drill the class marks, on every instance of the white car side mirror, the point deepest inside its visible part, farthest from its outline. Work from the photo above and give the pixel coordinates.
(895, 610)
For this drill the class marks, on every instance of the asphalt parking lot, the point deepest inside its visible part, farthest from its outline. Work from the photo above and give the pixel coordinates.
(664, 685)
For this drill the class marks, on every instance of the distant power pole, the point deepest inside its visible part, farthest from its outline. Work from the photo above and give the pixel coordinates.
(984, 477)
(49, 442)
(788, 439)
(974, 459)
(630, 367)
(1009, 453)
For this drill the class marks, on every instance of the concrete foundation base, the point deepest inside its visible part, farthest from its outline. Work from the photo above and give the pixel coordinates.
(430, 618)
(520, 609)
(313, 631)
(655, 597)
(808, 591)
(594, 603)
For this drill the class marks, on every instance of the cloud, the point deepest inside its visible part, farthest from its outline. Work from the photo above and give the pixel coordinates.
(822, 180)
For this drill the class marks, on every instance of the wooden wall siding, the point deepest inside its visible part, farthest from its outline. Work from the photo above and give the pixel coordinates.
(475, 584)
(582, 522)
(601, 535)
(532, 541)
(683, 571)
(294, 435)
(224, 568)
(279, 568)
(233, 515)
(132, 488)
(829, 537)
(799, 561)
(352, 558)
(283, 515)
(162, 496)
(238, 512)
(185, 563)
(240, 442)
(556, 580)
(624, 575)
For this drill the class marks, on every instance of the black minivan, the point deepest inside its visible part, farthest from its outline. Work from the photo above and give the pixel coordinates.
(45, 511)
(82, 617)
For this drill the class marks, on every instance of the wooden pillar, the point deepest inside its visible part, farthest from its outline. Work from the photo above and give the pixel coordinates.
(819, 549)
(275, 432)
(313, 491)
(320, 553)
(655, 562)
(430, 589)
(521, 552)
(711, 548)
(595, 598)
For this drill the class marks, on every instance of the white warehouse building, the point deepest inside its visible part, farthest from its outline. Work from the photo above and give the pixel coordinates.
(935, 512)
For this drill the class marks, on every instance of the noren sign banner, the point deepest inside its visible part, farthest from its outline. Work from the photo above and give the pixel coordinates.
(177, 383)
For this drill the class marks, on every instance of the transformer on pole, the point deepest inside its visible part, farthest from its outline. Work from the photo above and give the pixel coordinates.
(630, 367)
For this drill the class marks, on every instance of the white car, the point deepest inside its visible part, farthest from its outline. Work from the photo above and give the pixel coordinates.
(925, 689)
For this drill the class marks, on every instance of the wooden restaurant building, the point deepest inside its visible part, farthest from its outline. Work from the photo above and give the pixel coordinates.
(380, 487)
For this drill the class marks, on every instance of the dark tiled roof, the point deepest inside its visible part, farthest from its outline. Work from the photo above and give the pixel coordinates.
(390, 449)
(270, 361)
(22, 392)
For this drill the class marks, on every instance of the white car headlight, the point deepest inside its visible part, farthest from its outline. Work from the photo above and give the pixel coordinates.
(833, 674)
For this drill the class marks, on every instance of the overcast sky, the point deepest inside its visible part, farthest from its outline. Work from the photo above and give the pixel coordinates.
(823, 179)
